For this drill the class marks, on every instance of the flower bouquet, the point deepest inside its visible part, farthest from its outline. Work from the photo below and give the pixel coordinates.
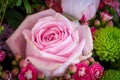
(60, 40)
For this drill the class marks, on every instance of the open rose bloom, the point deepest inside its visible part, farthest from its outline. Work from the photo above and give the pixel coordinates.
(51, 42)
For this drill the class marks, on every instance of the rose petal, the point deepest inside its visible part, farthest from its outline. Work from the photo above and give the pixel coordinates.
(78, 8)
(85, 33)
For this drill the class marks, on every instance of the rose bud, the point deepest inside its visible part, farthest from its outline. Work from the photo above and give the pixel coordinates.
(72, 68)
(91, 59)
(14, 62)
(110, 23)
(15, 72)
(67, 76)
(18, 58)
(41, 75)
(85, 61)
(96, 22)
(23, 63)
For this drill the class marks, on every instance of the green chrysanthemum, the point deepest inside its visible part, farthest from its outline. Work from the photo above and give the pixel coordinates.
(111, 75)
(107, 43)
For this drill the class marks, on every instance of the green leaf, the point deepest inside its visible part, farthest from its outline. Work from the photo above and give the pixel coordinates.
(19, 2)
(119, 1)
(14, 18)
(69, 17)
(27, 6)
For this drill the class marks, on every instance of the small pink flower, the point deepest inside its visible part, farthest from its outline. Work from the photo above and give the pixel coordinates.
(96, 22)
(28, 73)
(82, 73)
(101, 5)
(96, 71)
(54, 4)
(2, 55)
(105, 16)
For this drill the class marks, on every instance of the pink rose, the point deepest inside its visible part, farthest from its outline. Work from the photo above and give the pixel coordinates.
(28, 73)
(79, 8)
(96, 71)
(83, 72)
(51, 42)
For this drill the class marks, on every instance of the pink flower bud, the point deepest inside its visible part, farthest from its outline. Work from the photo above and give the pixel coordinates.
(106, 16)
(15, 72)
(23, 63)
(110, 23)
(91, 59)
(41, 75)
(72, 68)
(67, 76)
(18, 57)
(96, 22)
(85, 61)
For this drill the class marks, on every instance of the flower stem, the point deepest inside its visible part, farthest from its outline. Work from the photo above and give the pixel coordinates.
(4, 10)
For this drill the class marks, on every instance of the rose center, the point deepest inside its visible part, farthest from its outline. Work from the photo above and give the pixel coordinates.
(50, 37)
(97, 74)
(28, 75)
(81, 71)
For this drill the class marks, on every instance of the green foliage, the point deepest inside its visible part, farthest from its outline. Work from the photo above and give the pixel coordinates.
(13, 18)
(111, 75)
(115, 65)
(107, 43)
(119, 1)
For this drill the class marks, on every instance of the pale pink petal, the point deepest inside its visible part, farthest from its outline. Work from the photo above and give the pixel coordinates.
(46, 66)
(85, 33)
(72, 59)
(33, 51)
(16, 41)
(78, 8)
(90, 12)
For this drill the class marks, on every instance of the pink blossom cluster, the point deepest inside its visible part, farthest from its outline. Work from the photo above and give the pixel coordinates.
(86, 72)
(112, 3)
(87, 69)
